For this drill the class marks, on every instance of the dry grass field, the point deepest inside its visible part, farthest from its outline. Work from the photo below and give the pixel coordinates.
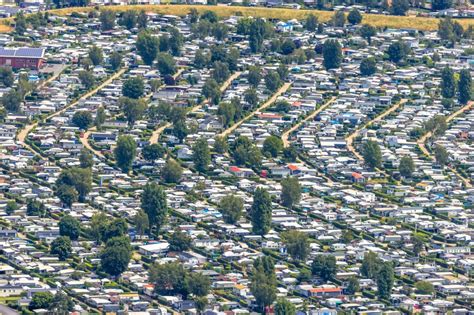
(420, 23)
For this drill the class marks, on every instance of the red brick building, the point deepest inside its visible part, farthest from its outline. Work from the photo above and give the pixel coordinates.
(31, 58)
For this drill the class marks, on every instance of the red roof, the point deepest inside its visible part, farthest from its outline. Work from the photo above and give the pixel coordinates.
(325, 290)
(357, 175)
(234, 169)
(293, 167)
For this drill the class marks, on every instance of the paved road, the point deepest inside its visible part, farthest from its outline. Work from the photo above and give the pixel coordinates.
(4, 310)
(269, 102)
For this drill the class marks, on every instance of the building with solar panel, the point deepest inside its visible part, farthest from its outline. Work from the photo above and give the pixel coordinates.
(17, 58)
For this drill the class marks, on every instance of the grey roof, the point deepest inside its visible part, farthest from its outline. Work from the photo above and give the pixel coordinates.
(22, 52)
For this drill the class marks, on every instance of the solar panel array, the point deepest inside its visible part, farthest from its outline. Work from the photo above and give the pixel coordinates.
(22, 52)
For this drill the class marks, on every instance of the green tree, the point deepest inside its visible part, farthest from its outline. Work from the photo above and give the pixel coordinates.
(82, 119)
(311, 23)
(132, 108)
(98, 225)
(169, 278)
(147, 47)
(171, 172)
(385, 279)
(201, 59)
(261, 212)
(231, 208)
(87, 79)
(424, 287)
(368, 31)
(166, 64)
(79, 178)
(338, 19)
(6, 76)
(35, 208)
(324, 266)
(226, 111)
(290, 154)
(398, 51)
(254, 76)
(370, 265)
(400, 7)
(220, 145)
(12, 100)
(288, 47)
(116, 228)
(272, 146)
(107, 20)
(332, 54)
(116, 60)
(67, 194)
(251, 97)
(372, 154)
(69, 226)
(141, 221)
(198, 284)
(263, 282)
(201, 155)
(438, 5)
(368, 66)
(153, 152)
(153, 202)
(465, 86)
(133, 87)
(407, 166)
(62, 247)
(96, 55)
(352, 286)
(354, 17)
(437, 125)
(180, 129)
(180, 241)
(284, 307)
(20, 23)
(125, 153)
(418, 243)
(282, 71)
(290, 192)
(128, 19)
(11, 207)
(297, 244)
(86, 159)
(100, 117)
(142, 19)
(272, 81)
(448, 83)
(116, 255)
(246, 153)
(221, 72)
(41, 300)
(61, 304)
(211, 91)
(441, 155)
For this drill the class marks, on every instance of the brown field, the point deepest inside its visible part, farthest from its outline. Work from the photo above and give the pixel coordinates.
(420, 23)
